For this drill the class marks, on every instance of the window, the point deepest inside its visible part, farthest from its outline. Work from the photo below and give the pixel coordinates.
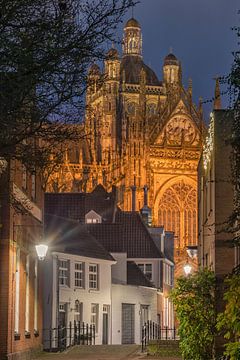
(79, 274)
(92, 221)
(168, 274)
(24, 177)
(33, 188)
(147, 270)
(36, 295)
(27, 296)
(17, 290)
(93, 276)
(64, 272)
(78, 314)
(62, 315)
(94, 316)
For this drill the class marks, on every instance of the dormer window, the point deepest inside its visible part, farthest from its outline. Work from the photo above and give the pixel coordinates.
(93, 218)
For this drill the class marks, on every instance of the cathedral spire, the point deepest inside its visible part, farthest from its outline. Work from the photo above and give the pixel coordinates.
(217, 105)
(132, 39)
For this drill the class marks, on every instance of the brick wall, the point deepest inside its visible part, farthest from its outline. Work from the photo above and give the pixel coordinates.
(18, 229)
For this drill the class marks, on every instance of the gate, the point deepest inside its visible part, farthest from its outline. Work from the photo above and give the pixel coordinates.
(153, 331)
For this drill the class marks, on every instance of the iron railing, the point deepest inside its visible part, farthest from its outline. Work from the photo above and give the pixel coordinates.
(62, 337)
(153, 331)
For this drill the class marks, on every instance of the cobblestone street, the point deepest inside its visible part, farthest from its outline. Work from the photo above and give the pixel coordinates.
(102, 352)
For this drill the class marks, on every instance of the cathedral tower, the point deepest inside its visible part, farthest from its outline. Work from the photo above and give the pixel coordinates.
(132, 42)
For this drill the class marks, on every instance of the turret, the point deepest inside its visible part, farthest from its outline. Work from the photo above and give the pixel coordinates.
(132, 40)
(171, 70)
(94, 75)
(112, 65)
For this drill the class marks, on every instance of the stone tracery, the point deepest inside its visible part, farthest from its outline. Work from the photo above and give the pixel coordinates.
(177, 210)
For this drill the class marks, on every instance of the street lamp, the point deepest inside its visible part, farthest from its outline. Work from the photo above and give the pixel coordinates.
(187, 268)
(41, 250)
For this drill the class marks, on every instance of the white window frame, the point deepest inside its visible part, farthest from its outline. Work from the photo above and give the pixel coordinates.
(95, 315)
(142, 267)
(17, 291)
(63, 272)
(79, 272)
(27, 303)
(35, 324)
(93, 276)
(78, 311)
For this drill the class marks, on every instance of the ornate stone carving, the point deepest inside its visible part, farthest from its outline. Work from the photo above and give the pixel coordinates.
(179, 130)
(167, 153)
(177, 210)
(157, 165)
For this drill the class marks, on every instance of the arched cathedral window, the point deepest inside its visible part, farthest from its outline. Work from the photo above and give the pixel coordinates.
(177, 212)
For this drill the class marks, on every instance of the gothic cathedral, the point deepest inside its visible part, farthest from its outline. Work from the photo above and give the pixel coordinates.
(141, 132)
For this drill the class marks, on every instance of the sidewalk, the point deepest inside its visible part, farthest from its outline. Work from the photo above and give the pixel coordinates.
(102, 352)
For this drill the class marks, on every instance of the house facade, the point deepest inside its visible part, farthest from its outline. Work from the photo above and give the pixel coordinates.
(21, 199)
(80, 291)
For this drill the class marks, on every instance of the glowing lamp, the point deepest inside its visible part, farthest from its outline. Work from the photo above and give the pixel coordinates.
(187, 268)
(41, 250)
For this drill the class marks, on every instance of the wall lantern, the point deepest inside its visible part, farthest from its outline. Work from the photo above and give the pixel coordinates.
(187, 268)
(41, 250)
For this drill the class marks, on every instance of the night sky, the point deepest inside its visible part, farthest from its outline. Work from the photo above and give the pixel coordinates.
(199, 32)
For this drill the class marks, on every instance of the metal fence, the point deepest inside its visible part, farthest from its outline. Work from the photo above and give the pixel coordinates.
(62, 337)
(153, 331)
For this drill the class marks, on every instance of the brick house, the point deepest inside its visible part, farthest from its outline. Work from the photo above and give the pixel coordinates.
(21, 201)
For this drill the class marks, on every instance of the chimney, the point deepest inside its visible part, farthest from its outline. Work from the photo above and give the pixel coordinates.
(146, 211)
(134, 188)
(145, 189)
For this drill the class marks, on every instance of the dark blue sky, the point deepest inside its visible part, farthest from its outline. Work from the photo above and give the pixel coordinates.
(199, 33)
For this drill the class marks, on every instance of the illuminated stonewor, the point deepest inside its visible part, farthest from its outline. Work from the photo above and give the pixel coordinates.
(140, 131)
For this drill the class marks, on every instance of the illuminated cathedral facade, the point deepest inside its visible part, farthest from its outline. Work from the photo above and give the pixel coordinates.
(140, 132)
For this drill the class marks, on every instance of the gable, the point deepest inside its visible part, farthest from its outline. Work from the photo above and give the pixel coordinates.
(93, 218)
(180, 128)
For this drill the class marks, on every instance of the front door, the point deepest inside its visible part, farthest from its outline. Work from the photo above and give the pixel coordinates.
(128, 324)
(105, 324)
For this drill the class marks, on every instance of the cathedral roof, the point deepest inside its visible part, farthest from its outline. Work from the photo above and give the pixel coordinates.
(132, 66)
(132, 23)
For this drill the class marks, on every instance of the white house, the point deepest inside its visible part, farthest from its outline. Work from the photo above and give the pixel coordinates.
(77, 281)
(105, 267)
(134, 301)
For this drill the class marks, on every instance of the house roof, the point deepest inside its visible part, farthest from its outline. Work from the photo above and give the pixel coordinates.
(73, 238)
(128, 234)
(135, 276)
(76, 205)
